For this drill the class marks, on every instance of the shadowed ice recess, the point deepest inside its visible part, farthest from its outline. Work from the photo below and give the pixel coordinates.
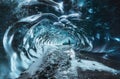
(35, 37)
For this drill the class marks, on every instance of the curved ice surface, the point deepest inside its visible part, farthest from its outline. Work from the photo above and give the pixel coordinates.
(41, 30)
(35, 36)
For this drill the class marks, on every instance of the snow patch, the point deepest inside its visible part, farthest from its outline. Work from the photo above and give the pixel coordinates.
(90, 65)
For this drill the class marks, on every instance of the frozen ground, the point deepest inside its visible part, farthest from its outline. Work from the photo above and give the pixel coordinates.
(64, 64)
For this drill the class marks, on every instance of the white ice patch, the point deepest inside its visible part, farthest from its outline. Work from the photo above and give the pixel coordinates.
(30, 18)
(59, 7)
(89, 65)
(38, 62)
(83, 64)
(35, 66)
(27, 2)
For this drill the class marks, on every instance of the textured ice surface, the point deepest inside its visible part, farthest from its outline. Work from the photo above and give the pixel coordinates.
(38, 26)
(61, 63)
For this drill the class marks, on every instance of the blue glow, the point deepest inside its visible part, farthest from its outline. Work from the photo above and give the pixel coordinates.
(90, 10)
(56, 28)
